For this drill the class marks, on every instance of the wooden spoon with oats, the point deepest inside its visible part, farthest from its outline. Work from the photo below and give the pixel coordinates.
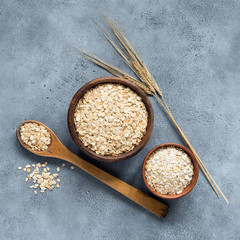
(34, 136)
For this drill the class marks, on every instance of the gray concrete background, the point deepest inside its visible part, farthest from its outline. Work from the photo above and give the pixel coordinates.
(192, 49)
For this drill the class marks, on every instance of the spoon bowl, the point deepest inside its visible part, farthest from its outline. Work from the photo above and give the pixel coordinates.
(53, 147)
(57, 150)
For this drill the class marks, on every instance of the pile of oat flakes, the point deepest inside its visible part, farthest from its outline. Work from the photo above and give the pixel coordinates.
(169, 170)
(41, 176)
(111, 119)
(36, 136)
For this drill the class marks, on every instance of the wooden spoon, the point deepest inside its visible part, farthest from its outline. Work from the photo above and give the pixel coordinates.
(57, 150)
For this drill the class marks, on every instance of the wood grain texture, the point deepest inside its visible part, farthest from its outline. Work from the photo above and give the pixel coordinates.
(57, 150)
(80, 94)
(191, 184)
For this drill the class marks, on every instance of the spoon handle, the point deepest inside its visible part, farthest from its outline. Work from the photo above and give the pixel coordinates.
(127, 190)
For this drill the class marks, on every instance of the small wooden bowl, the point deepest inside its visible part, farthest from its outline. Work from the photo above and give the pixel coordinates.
(80, 94)
(191, 184)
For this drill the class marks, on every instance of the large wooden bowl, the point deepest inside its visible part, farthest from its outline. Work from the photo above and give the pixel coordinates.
(191, 184)
(80, 94)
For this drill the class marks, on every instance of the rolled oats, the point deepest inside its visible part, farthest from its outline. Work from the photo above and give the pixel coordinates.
(110, 119)
(36, 136)
(42, 180)
(169, 170)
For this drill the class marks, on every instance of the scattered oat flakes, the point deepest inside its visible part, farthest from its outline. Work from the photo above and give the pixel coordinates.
(63, 164)
(35, 192)
(169, 170)
(42, 180)
(111, 119)
(57, 185)
(58, 169)
(19, 168)
(72, 167)
(36, 136)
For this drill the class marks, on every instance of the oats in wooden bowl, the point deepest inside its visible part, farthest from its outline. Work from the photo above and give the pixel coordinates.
(170, 171)
(110, 118)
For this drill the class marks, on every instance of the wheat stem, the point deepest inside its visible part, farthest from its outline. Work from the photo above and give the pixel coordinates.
(213, 179)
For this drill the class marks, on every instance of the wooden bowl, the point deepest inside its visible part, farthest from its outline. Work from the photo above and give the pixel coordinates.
(80, 94)
(191, 184)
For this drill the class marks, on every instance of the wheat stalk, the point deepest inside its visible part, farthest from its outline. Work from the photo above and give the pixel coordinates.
(147, 83)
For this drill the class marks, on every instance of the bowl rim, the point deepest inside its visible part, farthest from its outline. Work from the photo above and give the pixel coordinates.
(191, 184)
(82, 91)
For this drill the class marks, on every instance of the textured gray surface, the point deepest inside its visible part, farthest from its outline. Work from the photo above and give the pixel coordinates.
(192, 49)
